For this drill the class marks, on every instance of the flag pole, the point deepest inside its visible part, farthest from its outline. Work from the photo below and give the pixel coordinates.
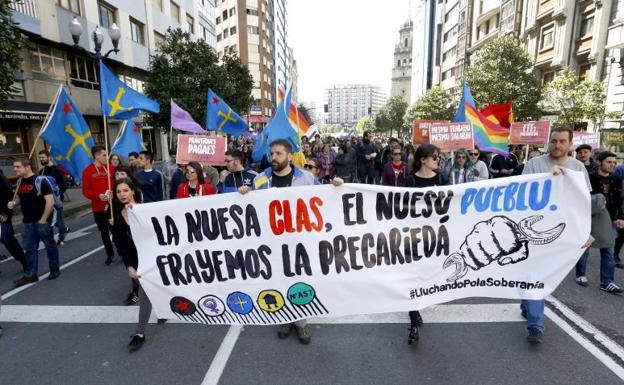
(34, 146)
(107, 168)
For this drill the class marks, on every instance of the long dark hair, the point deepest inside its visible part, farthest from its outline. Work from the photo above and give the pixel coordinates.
(198, 170)
(118, 206)
(423, 151)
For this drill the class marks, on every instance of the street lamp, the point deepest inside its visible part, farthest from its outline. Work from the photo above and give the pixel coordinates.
(75, 28)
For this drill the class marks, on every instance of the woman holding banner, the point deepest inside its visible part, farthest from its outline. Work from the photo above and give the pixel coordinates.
(196, 184)
(126, 195)
(424, 174)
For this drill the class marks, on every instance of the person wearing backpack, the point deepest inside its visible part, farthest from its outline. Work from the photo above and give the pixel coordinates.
(36, 198)
(48, 169)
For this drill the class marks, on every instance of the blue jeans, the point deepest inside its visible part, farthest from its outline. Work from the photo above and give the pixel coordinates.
(32, 233)
(62, 228)
(535, 313)
(7, 237)
(607, 266)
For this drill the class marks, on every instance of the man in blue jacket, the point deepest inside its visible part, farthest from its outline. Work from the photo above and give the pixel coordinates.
(235, 175)
(283, 173)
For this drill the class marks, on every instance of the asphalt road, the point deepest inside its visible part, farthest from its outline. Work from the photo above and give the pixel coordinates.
(74, 330)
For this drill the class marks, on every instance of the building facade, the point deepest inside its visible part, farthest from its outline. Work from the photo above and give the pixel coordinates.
(423, 47)
(245, 27)
(49, 59)
(346, 104)
(613, 67)
(281, 54)
(402, 71)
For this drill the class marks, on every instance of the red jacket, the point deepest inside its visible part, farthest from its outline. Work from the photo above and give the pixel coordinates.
(204, 189)
(95, 182)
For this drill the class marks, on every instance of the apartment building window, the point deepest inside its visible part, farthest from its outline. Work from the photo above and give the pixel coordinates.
(107, 15)
(253, 30)
(158, 4)
(226, 33)
(547, 37)
(252, 12)
(451, 13)
(83, 72)
(190, 23)
(232, 11)
(159, 39)
(584, 71)
(233, 31)
(398, 63)
(70, 5)
(175, 12)
(48, 61)
(136, 30)
(587, 25)
(219, 38)
(450, 33)
(548, 77)
(218, 20)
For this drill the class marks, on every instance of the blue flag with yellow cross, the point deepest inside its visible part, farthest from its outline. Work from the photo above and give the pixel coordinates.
(221, 118)
(68, 135)
(119, 101)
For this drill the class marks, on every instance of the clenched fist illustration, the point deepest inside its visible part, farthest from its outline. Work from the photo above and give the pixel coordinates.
(499, 239)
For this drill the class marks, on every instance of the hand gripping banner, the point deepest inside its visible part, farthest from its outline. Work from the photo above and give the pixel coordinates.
(280, 255)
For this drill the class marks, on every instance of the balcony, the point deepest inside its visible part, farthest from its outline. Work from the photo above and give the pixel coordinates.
(26, 7)
(25, 15)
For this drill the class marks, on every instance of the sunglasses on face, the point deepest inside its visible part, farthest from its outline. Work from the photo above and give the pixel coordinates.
(396, 153)
(474, 154)
(309, 166)
(434, 157)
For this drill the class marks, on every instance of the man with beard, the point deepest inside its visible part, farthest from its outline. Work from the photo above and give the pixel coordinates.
(366, 154)
(557, 162)
(48, 169)
(283, 173)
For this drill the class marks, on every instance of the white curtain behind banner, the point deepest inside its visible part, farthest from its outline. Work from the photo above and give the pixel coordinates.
(278, 255)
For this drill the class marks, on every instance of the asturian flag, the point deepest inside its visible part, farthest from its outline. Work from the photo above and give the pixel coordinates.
(68, 135)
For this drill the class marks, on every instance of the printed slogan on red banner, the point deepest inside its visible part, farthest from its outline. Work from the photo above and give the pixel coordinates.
(420, 130)
(201, 148)
(529, 132)
(449, 137)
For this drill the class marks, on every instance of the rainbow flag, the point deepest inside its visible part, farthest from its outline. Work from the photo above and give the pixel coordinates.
(489, 136)
(295, 116)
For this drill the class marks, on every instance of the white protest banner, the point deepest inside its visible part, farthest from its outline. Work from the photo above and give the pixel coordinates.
(279, 255)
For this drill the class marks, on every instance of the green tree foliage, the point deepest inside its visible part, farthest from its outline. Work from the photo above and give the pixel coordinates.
(390, 117)
(503, 70)
(575, 101)
(366, 123)
(185, 69)
(10, 45)
(436, 104)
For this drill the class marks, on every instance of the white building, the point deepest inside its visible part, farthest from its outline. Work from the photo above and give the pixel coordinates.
(346, 104)
(281, 55)
(423, 43)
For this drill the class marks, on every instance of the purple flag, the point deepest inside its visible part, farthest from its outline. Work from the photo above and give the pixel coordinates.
(182, 120)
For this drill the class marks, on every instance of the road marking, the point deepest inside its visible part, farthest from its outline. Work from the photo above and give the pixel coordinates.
(44, 276)
(70, 236)
(598, 337)
(222, 356)
(454, 313)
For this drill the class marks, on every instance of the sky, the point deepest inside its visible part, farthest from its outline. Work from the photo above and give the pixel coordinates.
(343, 41)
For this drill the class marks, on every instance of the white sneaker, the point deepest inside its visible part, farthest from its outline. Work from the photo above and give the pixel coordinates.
(582, 281)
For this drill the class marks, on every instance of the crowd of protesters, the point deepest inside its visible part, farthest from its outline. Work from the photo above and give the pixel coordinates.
(133, 179)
